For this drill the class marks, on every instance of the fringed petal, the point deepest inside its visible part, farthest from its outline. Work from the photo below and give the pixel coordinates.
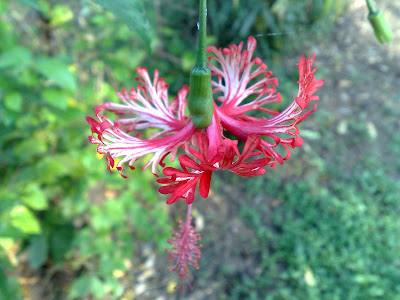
(114, 142)
(148, 106)
(237, 71)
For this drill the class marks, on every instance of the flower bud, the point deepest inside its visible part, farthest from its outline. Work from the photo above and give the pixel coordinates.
(381, 28)
(200, 97)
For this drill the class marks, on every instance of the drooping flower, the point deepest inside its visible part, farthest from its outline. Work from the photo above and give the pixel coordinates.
(238, 77)
(241, 86)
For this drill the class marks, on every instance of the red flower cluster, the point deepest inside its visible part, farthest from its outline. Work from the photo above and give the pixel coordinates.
(238, 77)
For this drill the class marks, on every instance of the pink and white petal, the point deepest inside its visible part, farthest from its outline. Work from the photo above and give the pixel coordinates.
(235, 74)
(283, 123)
(149, 105)
(117, 143)
(205, 182)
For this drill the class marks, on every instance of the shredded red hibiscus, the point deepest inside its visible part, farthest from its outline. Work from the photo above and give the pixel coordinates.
(241, 85)
(237, 76)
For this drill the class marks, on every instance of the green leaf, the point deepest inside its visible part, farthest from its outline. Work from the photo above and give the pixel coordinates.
(80, 287)
(3, 283)
(57, 165)
(3, 8)
(60, 241)
(33, 3)
(37, 251)
(15, 56)
(22, 218)
(97, 288)
(29, 148)
(99, 220)
(57, 71)
(133, 14)
(72, 114)
(9, 197)
(113, 285)
(61, 14)
(8, 231)
(8, 117)
(25, 121)
(9, 287)
(55, 97)
(34, 197)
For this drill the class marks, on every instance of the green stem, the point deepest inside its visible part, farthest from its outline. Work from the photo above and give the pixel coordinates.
(201, 53)
(371, 6)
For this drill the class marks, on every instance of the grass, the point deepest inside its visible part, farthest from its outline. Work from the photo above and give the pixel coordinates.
(332, 233)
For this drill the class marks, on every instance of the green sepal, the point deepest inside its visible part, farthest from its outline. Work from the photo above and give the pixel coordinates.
(200, 97)
(382, 29)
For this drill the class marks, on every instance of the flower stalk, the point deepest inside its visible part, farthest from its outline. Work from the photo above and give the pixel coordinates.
(242, 85)
(200, 92)
(201, 51)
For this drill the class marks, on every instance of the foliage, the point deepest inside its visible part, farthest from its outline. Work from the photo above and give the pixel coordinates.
(133, 14)
(55, 202)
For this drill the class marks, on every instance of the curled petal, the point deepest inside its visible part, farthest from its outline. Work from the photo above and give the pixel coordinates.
(114, 142)
(281, 124)
(235, 79)
(308, 84)
(182, 184)
(252, 168)
(148, 106)
(187, 162)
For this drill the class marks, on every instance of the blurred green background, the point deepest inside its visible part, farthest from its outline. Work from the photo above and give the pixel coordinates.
(323, 226)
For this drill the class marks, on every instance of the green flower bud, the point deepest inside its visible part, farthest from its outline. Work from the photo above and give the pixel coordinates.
(200, 97)
(381, 28)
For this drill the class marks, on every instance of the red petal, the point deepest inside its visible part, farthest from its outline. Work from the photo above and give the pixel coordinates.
(168, 189)
(190, 197)
(99, 109)
(188, 185)
(202, 140)
(252, 142)
(172, 199)
(301, 102)
(205, 181)
(297, 142)
(189, 163)
(302, 67)
(165, 180)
